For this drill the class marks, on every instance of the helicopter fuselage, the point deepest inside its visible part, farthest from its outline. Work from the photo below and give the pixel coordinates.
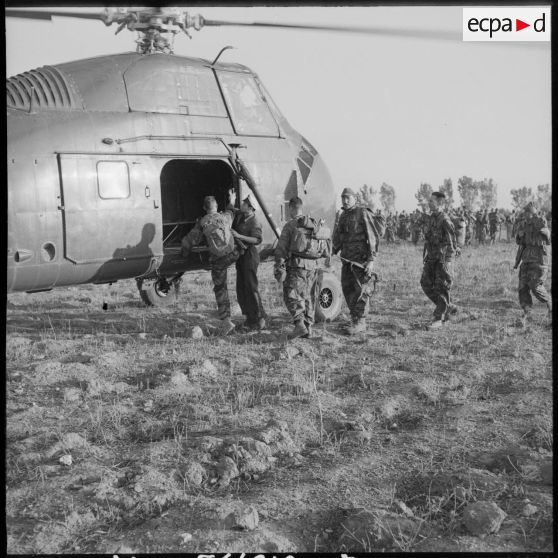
(109, 160)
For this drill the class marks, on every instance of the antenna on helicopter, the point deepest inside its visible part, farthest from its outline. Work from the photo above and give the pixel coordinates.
(221, 52)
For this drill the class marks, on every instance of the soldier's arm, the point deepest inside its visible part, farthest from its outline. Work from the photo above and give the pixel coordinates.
(370, 233)
(336, 237)
(255, 237)
(450, 241)
(282, 248)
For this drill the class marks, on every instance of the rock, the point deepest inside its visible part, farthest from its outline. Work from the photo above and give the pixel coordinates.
(508, 460)
(194, 473)
(204, 370)
(69, 441)
(72, 394)
(227, 471)
(66, 460)
(242, 363)
(182, 384)
(142, 335)
(196, 333)
(291, 352)
(244, 518)
(546, 472)
(529, 510)
(185, 537)
(483, 518)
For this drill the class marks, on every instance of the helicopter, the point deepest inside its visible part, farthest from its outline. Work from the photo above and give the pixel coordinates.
(109, 158)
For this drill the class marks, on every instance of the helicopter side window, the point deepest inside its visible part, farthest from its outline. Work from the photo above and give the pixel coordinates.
(249, 110)
(113, 180)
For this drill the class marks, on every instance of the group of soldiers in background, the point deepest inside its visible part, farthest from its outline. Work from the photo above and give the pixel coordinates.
(232, 236)
(483, 226)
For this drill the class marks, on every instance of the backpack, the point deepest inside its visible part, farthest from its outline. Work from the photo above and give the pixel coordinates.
(378, 225)
(311, 240)
(217, 233)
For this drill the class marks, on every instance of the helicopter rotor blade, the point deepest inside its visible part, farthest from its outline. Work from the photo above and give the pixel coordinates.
(39, 14)
(411, 33)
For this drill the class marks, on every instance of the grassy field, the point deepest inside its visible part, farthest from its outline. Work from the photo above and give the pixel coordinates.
(124, 434)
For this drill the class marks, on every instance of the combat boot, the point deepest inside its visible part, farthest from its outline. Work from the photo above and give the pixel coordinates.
(261, 324)
(299, 329)
(451, 311)
(358, 326)
(436, 324)
(227, 326)
(310, 333)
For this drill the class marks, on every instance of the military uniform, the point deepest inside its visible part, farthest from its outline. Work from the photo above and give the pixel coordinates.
(247, 291)
(470, 225)
(218, 265)
(481, 224)
(416, 227)
(356, 237)
(460, 225)
(440, 247)
(299, 287)
(533, 236)
(510, 219)
(494, 223)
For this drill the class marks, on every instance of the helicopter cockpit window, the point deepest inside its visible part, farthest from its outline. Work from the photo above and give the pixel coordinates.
(250, 113)
(113, 180)
(173, 88)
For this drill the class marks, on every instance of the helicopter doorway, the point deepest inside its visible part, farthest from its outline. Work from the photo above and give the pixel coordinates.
(184, 185)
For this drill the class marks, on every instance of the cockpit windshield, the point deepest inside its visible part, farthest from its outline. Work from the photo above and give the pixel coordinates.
(249, 110)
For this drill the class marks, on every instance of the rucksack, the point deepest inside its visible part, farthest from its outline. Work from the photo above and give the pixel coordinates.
(311, 240)
(378, 224)
(217, 233)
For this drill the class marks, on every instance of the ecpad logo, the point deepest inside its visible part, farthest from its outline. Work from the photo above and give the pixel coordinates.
(506, 24)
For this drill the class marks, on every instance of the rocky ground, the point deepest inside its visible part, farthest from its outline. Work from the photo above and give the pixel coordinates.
(128, 431)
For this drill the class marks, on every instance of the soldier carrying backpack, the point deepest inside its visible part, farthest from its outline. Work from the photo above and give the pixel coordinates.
(214, 230)
(302, 243)
(357, 235)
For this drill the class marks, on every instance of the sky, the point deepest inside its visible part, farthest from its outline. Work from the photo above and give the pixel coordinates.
(377, 108)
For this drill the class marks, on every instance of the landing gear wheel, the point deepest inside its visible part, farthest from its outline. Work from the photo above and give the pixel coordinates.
(330, 298)
(158, 292)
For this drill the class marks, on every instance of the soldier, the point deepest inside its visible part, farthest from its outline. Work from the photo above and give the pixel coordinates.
(356, 236)
(439, 249)
(215, 229)
(470, 220)
(390, 228)
(247, 232)
(510, 220)
(533, 239)
(481, 224)
(416, 226)
(494, 224)
(298, 274)
(459, 224)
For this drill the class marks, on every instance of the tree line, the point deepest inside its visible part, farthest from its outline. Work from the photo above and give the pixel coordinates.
(474, 194)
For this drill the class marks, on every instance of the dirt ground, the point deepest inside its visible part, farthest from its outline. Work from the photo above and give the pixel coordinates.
(124, 434)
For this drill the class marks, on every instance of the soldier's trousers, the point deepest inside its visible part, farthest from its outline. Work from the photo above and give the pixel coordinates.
(247, 292)
(436, 283)
(219, 267)
(460, 237)
(300, 293)
(531, 280)
(415, 234)
(355, 295)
